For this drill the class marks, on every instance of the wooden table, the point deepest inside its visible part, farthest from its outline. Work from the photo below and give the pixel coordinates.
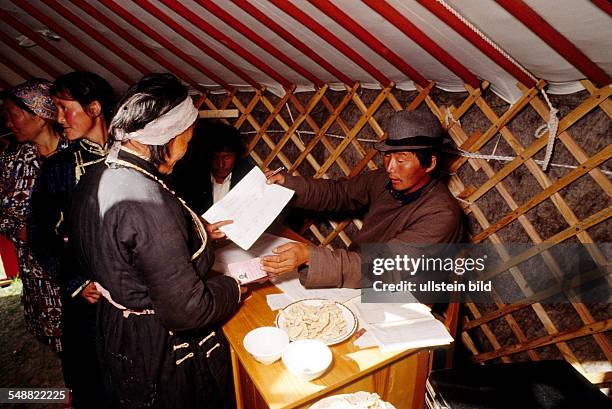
(398, 377)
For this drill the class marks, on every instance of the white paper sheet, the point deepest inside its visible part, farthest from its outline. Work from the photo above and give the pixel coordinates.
(252, 205)
(247, 271)
(418, 334)
(278, 301)
(234, 254)
(393, 313)
(290, 284)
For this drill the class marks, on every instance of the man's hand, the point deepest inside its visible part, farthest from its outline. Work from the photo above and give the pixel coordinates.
(213, 229)
(287, 258)
(91, 293)
(272, 178)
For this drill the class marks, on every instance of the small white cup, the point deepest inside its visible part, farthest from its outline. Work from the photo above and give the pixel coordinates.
(307, 359)
(266, 344)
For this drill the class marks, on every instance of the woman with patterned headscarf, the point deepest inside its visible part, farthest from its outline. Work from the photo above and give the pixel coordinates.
(30, 115)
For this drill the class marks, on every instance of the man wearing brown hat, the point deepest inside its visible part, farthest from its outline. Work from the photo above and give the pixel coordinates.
(404, 203)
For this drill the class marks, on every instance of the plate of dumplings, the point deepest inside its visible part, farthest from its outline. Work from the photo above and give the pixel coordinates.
(328, 321)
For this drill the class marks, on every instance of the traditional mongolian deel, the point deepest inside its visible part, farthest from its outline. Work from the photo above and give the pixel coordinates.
(19, 168)
(433, 216)
(166, 343)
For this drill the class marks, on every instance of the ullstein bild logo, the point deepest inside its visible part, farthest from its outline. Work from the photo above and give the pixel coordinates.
(432, 286)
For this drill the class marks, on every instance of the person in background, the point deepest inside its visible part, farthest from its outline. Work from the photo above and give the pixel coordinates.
(31, 117)
(404, 204)
(159, 337)
(84, 104)
(213, 165)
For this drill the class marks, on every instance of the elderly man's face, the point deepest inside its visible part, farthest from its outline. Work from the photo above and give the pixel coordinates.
(405, 170)
(176, 150)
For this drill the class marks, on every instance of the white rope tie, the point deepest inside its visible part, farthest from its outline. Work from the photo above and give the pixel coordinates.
(206, 338)
(180, 346)
(448, 119)
(292, 121)
(496, 144)
(183, 359)
(486, 39)
(217, 345)
(551, 126)
(553, 122)
(503, 158)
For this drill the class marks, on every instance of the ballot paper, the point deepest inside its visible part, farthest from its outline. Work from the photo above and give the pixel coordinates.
(247, 271)
(252, 205)
(231, 253)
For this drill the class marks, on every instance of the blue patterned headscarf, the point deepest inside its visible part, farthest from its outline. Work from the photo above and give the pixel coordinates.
(35, 95)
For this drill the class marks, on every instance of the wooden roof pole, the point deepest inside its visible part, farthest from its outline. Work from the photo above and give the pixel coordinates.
(163, 17)
(413, 32)
(486, 48)
(554, 39)
(330, 38)
(127, 16)
(291, 39)
(93, 12)
(4, 85)
(73, 40)
(368, 39)
(27, 54)
(605, 5)
(39, 40)
(17, 69)
(257, 39)
(93, 33)
(199, 22)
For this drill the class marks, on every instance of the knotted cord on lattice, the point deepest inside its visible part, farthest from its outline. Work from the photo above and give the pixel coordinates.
(553, 121)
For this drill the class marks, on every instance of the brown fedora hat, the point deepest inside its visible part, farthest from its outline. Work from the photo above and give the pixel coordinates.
(411, 130)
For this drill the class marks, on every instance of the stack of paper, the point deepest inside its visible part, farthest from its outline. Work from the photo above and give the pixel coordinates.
(400, 326)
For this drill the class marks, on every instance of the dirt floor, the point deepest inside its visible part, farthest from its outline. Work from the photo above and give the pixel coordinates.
(24, 361)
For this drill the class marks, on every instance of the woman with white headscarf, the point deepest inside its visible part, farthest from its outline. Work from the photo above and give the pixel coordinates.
(159, 339)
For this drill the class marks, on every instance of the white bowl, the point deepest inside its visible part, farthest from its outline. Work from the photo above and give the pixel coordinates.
(266, 344)
(307, 359)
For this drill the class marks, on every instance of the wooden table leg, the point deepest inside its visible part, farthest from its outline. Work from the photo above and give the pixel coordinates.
(418, 401)
(236, 376)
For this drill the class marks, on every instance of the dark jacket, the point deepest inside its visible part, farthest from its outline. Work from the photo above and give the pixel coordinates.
(432, 218)
(191, 181)
(138, 241)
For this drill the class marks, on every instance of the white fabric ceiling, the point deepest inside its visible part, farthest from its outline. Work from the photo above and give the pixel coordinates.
(585, 25)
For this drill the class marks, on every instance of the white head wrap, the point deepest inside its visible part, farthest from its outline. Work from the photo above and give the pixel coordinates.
(161, 130)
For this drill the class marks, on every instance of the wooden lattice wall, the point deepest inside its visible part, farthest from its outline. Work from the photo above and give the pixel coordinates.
(328, 134)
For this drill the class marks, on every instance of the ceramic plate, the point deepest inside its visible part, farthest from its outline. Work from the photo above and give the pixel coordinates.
(349, 319)
(330, 400)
